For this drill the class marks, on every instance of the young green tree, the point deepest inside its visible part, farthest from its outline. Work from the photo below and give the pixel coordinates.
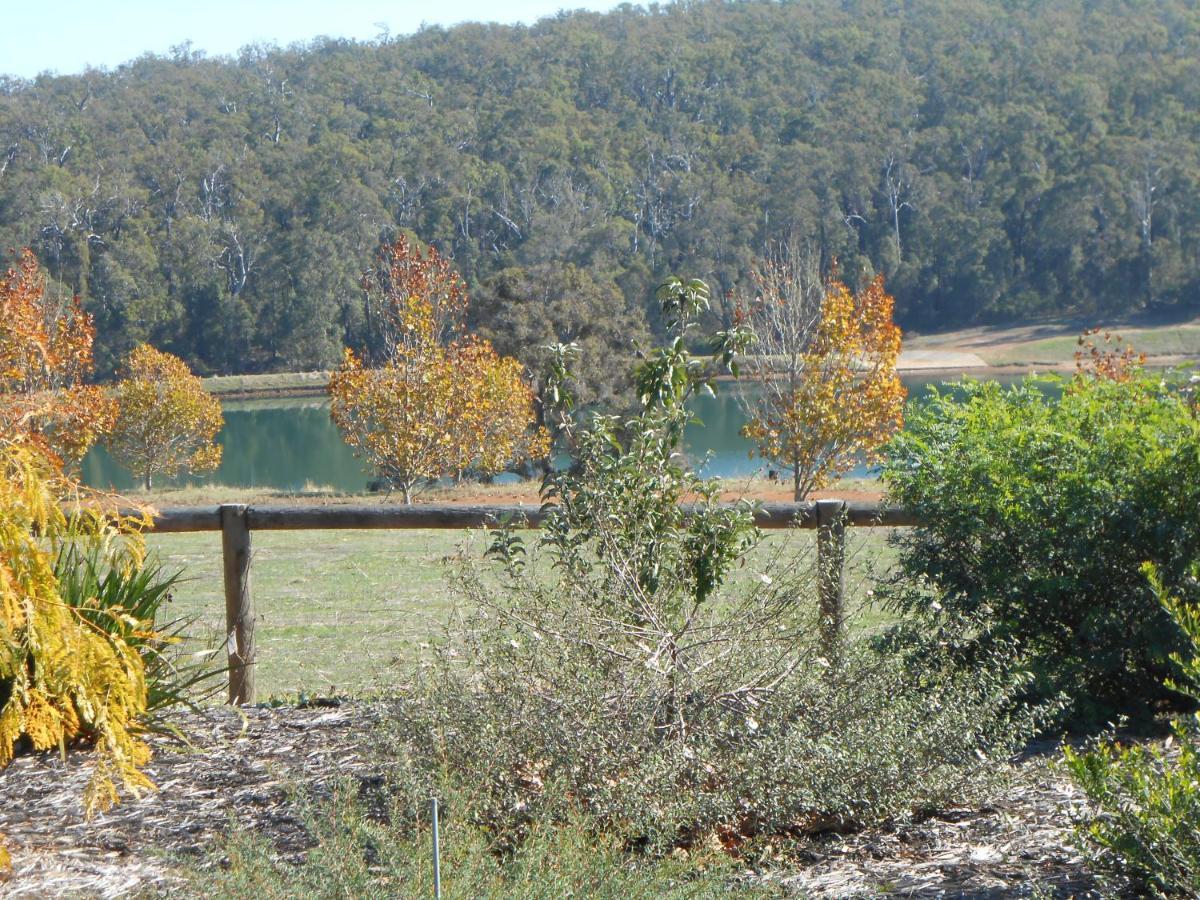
(166, 422)
(825, 361)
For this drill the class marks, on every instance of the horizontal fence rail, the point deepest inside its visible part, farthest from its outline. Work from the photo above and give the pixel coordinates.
(237, 521)
(181, 519)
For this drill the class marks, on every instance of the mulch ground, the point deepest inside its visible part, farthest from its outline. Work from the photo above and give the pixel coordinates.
(245, 764)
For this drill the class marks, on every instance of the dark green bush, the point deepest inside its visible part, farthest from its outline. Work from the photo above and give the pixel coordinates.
(1147, 798)
(1038, 512)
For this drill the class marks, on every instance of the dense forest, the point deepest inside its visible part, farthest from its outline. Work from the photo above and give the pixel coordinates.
(995, 160)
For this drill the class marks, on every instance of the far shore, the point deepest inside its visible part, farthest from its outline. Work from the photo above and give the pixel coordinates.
(980, 352)
(313, 384)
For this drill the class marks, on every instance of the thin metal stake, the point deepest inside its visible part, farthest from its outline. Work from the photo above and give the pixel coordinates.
(437, 860)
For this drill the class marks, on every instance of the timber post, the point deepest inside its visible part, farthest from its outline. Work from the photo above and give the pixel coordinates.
(831, 566)
(239, 604)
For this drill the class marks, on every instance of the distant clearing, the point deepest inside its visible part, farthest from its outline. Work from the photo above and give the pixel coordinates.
(1054, 343)
(975, 350)
(283, 383)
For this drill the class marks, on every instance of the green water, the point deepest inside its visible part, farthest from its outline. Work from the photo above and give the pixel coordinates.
(291, 445)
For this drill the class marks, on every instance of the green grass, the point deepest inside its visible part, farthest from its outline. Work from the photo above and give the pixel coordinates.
(336, 610)
(277, 381)
(1167, 341)
(346, 612)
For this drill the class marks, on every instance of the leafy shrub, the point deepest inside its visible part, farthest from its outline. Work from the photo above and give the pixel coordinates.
(1037, 515)
(127, 603)
(1148, 798)
(618, 668)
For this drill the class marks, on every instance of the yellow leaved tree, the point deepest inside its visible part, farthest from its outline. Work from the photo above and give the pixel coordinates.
(166, 422)
(825, 359)
(439, 402)
(45, 354)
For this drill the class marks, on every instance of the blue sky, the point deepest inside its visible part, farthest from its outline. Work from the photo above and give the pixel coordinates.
(69, 35)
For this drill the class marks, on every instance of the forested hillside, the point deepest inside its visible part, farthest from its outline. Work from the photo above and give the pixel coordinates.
(994, 160)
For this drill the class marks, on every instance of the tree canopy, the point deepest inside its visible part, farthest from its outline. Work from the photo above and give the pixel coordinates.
(991, 160)
(440, 402)
(166, 422)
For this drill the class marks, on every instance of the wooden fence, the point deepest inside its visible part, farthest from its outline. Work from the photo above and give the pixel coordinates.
(236, 522)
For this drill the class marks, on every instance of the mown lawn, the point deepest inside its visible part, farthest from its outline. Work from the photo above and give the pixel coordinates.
(344, 612)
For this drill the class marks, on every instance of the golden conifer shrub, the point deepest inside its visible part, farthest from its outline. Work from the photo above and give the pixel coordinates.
(62, 680)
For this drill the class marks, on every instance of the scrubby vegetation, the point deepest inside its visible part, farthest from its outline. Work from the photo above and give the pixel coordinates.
(361, 853)
(632, 679)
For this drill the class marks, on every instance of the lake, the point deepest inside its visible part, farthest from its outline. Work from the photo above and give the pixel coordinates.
(291, 444)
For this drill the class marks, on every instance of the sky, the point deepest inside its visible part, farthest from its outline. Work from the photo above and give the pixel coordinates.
(67, 36)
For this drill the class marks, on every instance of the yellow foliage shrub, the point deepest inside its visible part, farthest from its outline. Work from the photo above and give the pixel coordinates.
(62, 680)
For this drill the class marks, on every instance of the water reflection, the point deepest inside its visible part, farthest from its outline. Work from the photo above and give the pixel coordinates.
(291, 444)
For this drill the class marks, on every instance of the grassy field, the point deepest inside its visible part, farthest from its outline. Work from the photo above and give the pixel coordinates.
(1183, 340)
(278, 382)
(345, 612)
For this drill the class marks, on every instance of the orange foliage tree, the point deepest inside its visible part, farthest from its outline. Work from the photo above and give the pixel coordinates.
(45, 354)
(825, 358)
(440, 402)
(415, 300)
(166, 422)
(1114, 359)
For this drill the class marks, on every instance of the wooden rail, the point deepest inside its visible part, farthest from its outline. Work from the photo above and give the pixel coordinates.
(237, 521)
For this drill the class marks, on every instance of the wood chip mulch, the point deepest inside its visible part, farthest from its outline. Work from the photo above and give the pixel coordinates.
(1019, 846)
(245, 765)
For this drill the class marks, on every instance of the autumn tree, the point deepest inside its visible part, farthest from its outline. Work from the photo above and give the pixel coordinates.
(166, 422)
(440, 402)
(45, 355)
(415, 300)
(1113, 359)
(825, 361)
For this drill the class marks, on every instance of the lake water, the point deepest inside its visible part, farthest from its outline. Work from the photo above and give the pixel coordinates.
(291, 444)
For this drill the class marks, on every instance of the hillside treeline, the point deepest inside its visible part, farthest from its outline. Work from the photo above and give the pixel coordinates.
(994, 160)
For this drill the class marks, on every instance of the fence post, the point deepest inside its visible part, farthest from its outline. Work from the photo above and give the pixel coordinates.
(239, 605)
(831, 565)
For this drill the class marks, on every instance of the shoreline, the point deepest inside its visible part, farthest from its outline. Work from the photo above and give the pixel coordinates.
(314, 384)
